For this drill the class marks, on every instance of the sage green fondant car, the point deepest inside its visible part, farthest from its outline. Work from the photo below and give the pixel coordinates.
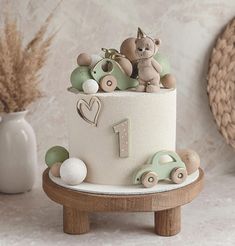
(107, 72)
(150, 174)
(109, 67)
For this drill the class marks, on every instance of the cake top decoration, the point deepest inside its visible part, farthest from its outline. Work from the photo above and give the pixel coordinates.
(138, 67)
(148, 68)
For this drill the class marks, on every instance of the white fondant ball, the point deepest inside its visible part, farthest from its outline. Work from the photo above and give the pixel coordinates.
(95, 59)
(90, 86)
(73, 171)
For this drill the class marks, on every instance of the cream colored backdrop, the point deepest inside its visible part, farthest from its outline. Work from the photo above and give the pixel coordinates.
(188, 30)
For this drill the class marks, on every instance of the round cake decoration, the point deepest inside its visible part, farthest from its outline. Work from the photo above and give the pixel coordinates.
(90, 86)
(73, 171)
(221, 83)
(56, 154)
(55, 169)
(84, 59)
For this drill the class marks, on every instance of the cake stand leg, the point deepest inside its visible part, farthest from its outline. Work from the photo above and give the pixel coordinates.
(168, 222)
(75, 221)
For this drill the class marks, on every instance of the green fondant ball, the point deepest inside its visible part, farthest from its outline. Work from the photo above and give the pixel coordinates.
(56, 154)
(163, 61)
(80, 75)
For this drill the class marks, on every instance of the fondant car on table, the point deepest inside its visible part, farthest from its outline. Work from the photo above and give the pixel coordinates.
(150, 174)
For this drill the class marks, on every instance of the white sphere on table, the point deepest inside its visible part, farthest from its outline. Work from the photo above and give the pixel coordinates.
(73, 171)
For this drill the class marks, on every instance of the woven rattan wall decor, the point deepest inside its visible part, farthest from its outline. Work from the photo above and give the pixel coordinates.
(221, 83)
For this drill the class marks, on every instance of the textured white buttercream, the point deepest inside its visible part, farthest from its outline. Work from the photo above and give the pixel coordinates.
(152, 128)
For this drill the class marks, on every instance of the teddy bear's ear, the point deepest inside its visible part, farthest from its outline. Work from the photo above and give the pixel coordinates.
(157, 41)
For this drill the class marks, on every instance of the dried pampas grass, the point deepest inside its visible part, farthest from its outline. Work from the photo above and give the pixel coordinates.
(20, 66)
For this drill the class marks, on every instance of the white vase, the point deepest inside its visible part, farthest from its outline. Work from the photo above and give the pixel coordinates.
(18, 156)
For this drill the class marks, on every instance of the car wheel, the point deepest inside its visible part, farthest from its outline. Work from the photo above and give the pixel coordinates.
(178, 175)
(149, 179)
(108, 83)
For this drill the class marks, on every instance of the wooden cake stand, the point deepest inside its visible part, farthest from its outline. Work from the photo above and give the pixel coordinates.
(165, 205)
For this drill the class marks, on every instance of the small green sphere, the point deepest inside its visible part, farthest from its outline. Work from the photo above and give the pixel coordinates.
(79, 76)
(56, 154)
(163, 61)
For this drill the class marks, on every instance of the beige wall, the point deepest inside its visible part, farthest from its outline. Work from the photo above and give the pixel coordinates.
(188, 29)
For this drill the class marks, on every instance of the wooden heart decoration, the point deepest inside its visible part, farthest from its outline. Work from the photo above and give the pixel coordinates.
(89, 111)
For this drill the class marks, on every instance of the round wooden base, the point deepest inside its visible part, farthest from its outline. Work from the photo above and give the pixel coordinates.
(165, 205)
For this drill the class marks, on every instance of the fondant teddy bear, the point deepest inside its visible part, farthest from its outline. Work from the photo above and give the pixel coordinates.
(148, 68)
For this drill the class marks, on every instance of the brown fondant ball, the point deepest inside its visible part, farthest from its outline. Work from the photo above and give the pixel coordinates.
(125, 64)
(84, 59)
(191, 159)
(128, 49)
(55, 169)
(168, 81)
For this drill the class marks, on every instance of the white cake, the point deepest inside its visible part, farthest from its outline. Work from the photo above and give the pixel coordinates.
(121, 114)
(152, 127)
